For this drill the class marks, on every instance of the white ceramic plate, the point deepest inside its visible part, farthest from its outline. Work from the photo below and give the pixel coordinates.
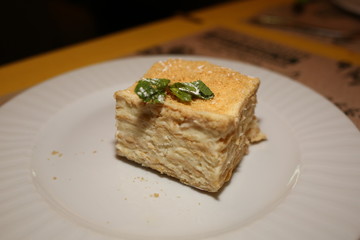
(60, 178)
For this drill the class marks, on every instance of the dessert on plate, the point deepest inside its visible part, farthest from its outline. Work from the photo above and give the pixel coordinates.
(191, 120)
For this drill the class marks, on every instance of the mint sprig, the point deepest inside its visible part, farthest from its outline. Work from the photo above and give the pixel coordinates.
(153, 90)
(204, 91)
(187, 90)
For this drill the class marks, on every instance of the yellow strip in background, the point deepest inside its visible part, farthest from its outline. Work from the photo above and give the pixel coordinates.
(28, 72)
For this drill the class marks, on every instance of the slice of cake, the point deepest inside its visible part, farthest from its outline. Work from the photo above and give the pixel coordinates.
(198, 142)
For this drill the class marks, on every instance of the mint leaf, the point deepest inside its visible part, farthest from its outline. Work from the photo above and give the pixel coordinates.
(182, 95)
(185, 91)
(152, 90)
(205, 92)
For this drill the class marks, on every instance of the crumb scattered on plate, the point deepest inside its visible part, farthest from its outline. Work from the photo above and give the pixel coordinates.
(56, 153)
(155, 195)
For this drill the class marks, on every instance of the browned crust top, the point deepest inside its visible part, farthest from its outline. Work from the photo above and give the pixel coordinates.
(232, 89)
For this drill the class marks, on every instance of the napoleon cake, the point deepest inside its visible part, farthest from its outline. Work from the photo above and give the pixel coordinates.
(199, 142)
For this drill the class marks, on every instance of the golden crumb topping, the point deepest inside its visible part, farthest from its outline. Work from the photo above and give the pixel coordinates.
(231, 88)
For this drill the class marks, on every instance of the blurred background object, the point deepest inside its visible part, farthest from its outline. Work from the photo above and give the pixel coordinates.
(320, 20)
(352, 6)
(30, 27)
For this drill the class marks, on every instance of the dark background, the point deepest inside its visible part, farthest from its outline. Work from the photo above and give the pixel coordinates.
(30, 27)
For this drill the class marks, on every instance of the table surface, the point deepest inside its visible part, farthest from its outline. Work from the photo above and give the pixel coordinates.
(231, 19)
